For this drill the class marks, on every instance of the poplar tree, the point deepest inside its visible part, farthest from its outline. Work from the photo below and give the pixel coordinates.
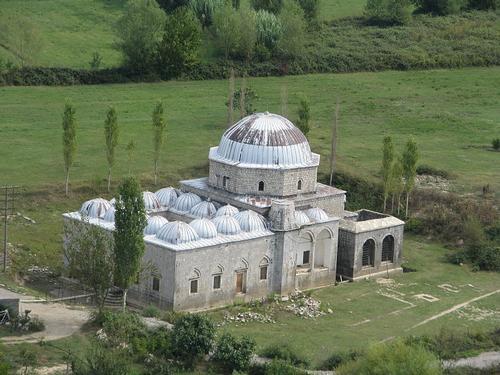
(111, 135)
(159, 126)
(230, 107)
(409, 163)
(130, 220)
(304, 113)
(396, 183)
(387, 161)
(333, 149)
(284, 100)
(243, 90)
(69, 125)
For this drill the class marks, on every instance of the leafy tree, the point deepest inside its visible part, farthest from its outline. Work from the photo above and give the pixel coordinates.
(333, 145)
(387, 161)
(130, 154)
(440, 7)
(234, 354)
(130, 220)
(140, 30)
(69, 139)
(230, 100)
(395, 358)
(179, 47)
(28, 358)
(226, 24)
(396, 183)
(291, 42)
(96, 61)
(192, 337)
(409, 162)
(484, 4)
(205, 10)
(388, 12)
(159, 126)
(89, 252)
(495, 143)
(4, 365)
(269, 29)
(102, 360)
(249, 96)
(171, 5)
(247, 29)
(111, 134)
(304, 113)
(311, 10)
(272, 6)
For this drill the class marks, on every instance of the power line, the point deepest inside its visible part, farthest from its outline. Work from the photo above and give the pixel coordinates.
(7, 208)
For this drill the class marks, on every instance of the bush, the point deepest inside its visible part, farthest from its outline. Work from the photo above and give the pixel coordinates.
(484, 256)
(336, 359)
(484, 4)
(269, 29)
(232, 353)
(311, 10)
(192, 337)
(102, 361)
(151, 311)
(388, 12)
(425, 169)
(440, 7)
(204, 10)
(304, 116)
(272, 6)
(277, 367)
(36, 324)
(122, 327)
(495, 143)
(286, 354)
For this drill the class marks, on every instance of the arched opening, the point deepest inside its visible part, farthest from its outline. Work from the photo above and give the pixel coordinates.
(194, 281)
(368, 253)
(304, 251)
(261, 186)
(388, 249)
(299, 185)
(323, 249)
(263, 269)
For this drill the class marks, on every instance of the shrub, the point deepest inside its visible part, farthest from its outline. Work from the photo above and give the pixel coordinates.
(393, 358)
(388, 12)
(36, 324)
(122, 327)
(495, 143)
(304, 116)
(277, 367)
(336, 359)
(484, 256)
(101, 360)
(484, 4)
(311, 10)
(151, 311)
(440, 7)
(225, 25)
(192, 337)
(250, 97)
(170, 5)
(204, 10)
(285, 353)
(232, 353)
(291, 42)
(272, 6)
(431, 171)
(269, 29)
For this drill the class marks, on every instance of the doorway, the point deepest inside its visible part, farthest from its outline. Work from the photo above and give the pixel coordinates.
(241, 281)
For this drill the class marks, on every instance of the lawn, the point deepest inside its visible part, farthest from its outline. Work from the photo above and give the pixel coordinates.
(367, 312)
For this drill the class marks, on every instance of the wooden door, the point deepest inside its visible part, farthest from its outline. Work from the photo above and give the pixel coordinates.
(240, 282)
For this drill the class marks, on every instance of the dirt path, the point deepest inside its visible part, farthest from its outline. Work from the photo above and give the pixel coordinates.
(454, 308)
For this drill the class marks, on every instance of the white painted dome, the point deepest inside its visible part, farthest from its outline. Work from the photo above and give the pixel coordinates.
(204, 209)
(264, 140)
(316, 214)
(110, 215)
(227, 225)
(186, 201)
(177, 232)
(151, 202)
(95, 208)
(227, 210)
(251, 221)
(167, 196)
(301, 218)
(204, 228)
(155, 222)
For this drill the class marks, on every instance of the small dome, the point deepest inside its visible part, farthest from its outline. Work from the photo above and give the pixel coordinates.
(185, 202)
(110, 215)
(227, 225)
(204, 228)
(151, 202)
(204, 209)
(167, 196)
(251, 221)
(301, 218)
(316, 214)
(227, 210)
(95, 208)
(177, 232)
(112, 202)
(155, 222)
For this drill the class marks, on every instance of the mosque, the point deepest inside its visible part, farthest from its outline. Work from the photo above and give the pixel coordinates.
(259, 224)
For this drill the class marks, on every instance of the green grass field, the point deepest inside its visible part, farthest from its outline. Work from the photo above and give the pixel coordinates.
(452, 114)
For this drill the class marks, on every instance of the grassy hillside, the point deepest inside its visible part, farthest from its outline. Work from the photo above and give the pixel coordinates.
(453, 115)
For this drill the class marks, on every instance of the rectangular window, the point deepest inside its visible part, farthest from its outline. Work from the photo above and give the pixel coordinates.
(193, 287)
(305, 257)
(156, 284)
(263, 273)
(225, 180)
(217, 279)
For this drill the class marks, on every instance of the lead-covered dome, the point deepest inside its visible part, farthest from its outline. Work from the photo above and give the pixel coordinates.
(227, 225)
(155, 222)
(251, 221)
(167, 196)
(204, 228)
(227, 210)
(95, 208)
(264, 140)
(316, 214)
(204, 209)
(177, 232)
(186, 201)
(151, 201)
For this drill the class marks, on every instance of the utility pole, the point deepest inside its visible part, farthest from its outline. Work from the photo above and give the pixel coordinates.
(9, 194)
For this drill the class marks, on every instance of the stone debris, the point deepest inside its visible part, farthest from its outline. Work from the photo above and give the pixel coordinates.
(433, 182)
(477, 314)
(247, 317)
(304, 306)
(26, 218)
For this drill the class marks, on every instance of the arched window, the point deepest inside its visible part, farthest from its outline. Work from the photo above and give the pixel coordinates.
(261, 186)
(264, 267)
(369, 253)
(323, 249)
(299, 185)
(388, 249)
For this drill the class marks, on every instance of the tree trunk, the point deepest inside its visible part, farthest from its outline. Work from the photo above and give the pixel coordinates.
(156, 170)
(385, 202)
(407, 199)
(392, 203)
(124, 306)
(67, 181)
(109, 179)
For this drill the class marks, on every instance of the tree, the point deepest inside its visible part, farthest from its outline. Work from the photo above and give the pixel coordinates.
(171, 5)
(28, 358)
(284, 100)
(484, 4)
(388, 12)
(396, 184)
(387, 161)
(269, 30)
(440, 7)
(192, 337)
(245, 102)
(333, 149)
(292, 38)
(130, 220)
(205, 10)
(90, 257)
(140, 30)
(159, 126)
(69, 139)
(130, 154)
(247, 29)
(226, 29)
(272, 6)
(180, 44)
(311, 10)
(230, 100)
(409, 162)
(22, 38)
(96, 61)
(111, 134)
(234, 354)
(304, 113)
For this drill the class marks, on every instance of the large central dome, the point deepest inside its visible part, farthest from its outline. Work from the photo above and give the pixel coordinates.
(264, 140)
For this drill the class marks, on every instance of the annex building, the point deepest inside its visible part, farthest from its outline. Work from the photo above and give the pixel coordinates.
(260, 223)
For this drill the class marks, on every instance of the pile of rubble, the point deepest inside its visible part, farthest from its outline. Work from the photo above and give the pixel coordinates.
(304, 306)
(248, 316)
